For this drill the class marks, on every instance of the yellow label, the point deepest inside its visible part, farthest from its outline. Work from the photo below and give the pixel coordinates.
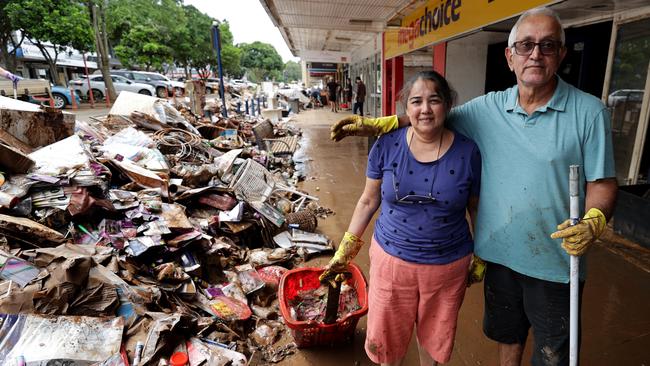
(438, 20)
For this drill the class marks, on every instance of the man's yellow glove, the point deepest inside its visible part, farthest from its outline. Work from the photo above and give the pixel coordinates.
(348, 249)
(355, 125)
(577, 238)
(476, 270)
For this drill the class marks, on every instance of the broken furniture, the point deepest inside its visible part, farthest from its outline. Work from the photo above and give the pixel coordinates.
(266, 140)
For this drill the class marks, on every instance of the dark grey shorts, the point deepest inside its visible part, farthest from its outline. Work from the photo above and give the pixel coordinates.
(515, 302)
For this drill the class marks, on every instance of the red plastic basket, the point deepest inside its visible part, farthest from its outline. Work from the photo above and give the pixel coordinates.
(311, 333)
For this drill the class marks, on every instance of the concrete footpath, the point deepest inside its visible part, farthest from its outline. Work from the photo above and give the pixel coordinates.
(615, 317)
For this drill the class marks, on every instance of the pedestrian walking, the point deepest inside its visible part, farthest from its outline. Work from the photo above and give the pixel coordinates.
(528, 136)
(424, 177)
(360, 96)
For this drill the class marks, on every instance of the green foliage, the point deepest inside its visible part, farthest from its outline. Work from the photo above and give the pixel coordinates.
(149, 33)
(60, 22)
(230, 55)
(292, 71)
(261, 61)
(141, 46)
(193, 48)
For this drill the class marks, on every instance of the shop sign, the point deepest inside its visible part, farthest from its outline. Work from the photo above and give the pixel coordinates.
(438, 20)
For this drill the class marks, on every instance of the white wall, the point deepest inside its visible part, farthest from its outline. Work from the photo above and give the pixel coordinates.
(466, 63)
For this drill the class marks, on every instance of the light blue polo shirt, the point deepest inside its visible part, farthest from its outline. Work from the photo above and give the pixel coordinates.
(525, 174)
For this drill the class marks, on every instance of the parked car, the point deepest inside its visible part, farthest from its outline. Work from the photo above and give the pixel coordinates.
(211, 85)
(624, 95)
(160, 82)
(62, 96)
(119, 82)
(239, 83)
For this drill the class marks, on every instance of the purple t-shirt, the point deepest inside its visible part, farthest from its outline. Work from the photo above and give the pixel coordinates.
(428, 231)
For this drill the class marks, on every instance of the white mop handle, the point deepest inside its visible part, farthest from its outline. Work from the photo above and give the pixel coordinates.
(574, 202)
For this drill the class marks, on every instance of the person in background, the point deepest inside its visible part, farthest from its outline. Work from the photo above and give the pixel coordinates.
(360, 96)
(348, 93)
(424, 178)
(333, 90)
(14, 78)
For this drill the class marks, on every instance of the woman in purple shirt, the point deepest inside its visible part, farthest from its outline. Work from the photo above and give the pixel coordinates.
(424, 177)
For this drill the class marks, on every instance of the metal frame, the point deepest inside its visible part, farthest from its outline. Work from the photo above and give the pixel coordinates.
(644, 115)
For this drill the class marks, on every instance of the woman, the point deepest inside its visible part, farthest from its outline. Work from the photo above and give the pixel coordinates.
(424, 177)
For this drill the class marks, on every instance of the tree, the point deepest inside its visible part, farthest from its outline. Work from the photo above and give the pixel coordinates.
(97, 12)
(6, 38)
(230, 55)
(261, 61)
(149, 33)
(195, 50)
(63, 23)
(292, 71)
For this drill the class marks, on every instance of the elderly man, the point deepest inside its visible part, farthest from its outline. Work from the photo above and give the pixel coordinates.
(529, 135)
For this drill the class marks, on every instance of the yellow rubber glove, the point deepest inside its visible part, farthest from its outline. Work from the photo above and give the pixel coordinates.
(476, 270)
(578, 238)
(355, 125)
(348, 249)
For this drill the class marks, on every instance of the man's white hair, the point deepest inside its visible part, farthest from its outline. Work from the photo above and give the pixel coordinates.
(512, 38)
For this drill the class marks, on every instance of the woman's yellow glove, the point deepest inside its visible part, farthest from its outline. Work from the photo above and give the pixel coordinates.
(348, 249)
(476, 270)
(578, 238)
(356, 125)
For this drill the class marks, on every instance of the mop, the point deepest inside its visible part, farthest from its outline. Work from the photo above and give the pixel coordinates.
(574, 202)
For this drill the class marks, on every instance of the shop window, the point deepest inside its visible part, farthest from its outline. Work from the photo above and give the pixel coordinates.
(625, 97)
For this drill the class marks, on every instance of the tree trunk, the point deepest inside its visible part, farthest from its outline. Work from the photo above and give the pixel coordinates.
(51, 62)
(10, 58)
(101, 43)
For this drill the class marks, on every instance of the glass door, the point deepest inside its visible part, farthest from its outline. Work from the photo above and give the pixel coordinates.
(627, 92)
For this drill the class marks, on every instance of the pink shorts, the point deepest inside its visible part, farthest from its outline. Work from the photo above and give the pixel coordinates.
(404, 294)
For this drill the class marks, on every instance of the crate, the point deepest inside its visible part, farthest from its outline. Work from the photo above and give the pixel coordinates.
(311, 333)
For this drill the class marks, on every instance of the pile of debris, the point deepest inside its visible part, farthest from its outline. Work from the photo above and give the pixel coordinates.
(146, 234)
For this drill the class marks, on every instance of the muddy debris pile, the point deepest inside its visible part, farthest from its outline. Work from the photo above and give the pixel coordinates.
(151, 234)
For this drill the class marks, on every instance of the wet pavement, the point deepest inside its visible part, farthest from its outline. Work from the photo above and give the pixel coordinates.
(615, 316)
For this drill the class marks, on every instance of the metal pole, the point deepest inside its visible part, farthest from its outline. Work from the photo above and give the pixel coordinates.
(216, 42)
(574, 202)
(90, 90)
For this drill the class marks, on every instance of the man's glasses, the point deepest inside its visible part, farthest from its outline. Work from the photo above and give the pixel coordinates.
(413, 198)
(547, 48)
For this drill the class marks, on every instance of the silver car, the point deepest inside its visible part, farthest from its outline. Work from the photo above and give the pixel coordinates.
(119, 82)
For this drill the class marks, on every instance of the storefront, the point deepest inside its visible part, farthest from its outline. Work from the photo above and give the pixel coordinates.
(608, 55)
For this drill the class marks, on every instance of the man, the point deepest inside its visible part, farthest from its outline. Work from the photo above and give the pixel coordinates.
(360, 96)
(529, 135)
(6, 74)
(333, 89)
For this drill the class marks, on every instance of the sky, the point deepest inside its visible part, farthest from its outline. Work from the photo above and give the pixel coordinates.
(248, 20)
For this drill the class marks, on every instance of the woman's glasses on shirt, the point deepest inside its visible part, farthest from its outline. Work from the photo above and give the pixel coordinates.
(411, 199)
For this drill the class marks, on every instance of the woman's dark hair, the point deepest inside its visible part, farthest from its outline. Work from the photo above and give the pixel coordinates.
(447, 94)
